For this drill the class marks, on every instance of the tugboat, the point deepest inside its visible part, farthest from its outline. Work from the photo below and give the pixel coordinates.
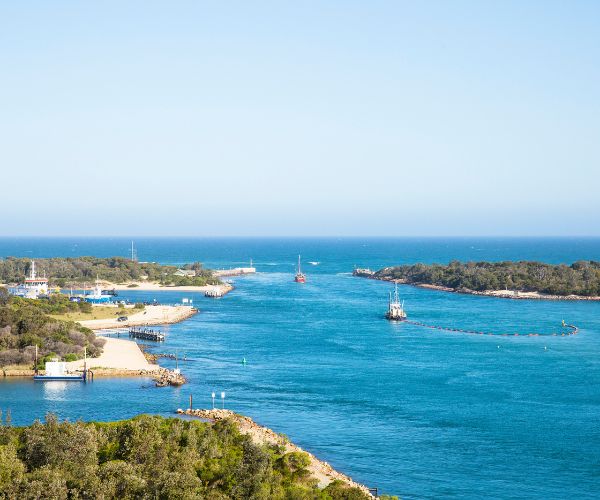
(300, 277)
(395, 310)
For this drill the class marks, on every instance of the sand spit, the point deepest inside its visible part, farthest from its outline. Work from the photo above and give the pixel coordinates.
(120, 358)
(151, 315)
(147, 286)
(321, 470)
(117, 354)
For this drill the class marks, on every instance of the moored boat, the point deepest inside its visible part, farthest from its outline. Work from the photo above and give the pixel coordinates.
(57, 370)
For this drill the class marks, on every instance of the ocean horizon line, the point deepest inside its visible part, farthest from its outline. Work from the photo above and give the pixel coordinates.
(296, 237)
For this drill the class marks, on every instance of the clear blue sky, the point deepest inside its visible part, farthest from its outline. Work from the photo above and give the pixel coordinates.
(300, 118)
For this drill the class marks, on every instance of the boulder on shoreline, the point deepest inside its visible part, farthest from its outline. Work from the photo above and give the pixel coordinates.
(166, 377)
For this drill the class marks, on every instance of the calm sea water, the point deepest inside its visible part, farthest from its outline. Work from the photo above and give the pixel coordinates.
(417, 413)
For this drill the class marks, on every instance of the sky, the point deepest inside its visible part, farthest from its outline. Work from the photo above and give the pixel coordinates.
(286, 118)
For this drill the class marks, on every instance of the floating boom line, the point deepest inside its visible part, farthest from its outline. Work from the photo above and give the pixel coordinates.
(570, 330)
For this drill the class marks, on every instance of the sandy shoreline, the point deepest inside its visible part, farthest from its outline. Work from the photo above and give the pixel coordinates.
(146, 286)
(120, 357)
(117, 354)
(506, 294)
(319, 469)
(501, 294)
(151, 315)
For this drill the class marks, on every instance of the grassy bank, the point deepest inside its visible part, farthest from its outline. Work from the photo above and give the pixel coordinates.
(97, 312)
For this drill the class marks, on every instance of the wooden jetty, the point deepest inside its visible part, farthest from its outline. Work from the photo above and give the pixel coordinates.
(146, 334)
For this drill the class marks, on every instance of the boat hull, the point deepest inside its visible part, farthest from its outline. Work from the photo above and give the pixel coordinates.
(74, 378)
(392, 317)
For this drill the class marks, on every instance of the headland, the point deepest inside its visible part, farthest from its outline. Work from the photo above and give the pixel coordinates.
(523, 280)
(322, 471)
(155, 457)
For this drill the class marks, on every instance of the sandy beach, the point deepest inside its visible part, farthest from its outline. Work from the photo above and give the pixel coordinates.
(151, 315)
(505, 294)
(147, 286)
(118, 354)
(122, 357)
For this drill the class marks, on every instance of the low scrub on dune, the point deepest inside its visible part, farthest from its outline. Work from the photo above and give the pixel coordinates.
(152, 457)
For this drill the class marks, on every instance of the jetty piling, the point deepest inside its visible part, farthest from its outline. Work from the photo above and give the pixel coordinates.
(215, 292)
(146, 334)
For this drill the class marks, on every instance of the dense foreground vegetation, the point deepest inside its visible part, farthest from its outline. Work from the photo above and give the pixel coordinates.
(154, 458)
(25, 323)
(580, 278)
(77, 270)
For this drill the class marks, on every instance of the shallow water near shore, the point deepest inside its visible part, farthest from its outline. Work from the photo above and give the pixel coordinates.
(415, 412)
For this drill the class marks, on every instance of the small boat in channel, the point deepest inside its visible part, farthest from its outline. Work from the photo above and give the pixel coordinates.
(395, 310)
(300, 276)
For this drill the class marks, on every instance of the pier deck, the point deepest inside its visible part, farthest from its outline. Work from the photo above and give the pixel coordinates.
(146, 334)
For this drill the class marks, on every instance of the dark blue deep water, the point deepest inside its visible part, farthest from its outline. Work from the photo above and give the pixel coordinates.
(415, 412)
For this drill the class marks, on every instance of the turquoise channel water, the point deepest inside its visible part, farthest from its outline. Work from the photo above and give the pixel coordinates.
(416, 412)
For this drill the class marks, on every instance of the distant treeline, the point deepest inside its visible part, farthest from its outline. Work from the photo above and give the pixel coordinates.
(76, 270)
(155, 458)
(581, 278)
(24, 323)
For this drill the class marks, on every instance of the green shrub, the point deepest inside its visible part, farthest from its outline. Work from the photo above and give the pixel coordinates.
(25, 323)
(580, 278)
(148, 457)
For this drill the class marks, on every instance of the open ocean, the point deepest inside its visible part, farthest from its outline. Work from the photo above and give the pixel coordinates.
(415, 412)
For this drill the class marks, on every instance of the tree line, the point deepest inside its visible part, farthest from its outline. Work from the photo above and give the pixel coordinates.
(25, 323)
(65, 271)
(580, 278)
(151, 457)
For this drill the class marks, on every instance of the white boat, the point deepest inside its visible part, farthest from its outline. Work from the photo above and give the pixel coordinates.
(33, 287)
(395, 310)
(97, 296)
(57, 370)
